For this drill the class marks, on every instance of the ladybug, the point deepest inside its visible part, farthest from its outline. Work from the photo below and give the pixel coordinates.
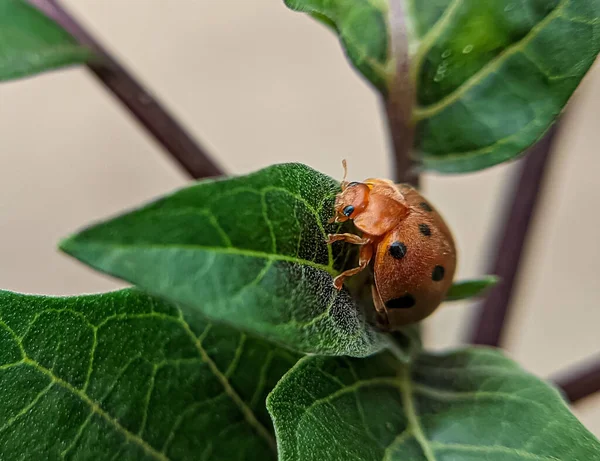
(412, 248)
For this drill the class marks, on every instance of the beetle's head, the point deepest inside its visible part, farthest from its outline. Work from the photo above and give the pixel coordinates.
(352, 201)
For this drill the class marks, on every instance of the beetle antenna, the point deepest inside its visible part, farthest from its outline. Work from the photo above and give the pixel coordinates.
(345, 166)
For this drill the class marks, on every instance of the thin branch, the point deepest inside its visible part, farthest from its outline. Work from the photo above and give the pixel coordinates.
(491, 318)
(400, 100)
(143, 106)
(581, 382)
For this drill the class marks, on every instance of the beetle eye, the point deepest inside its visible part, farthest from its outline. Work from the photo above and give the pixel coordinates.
(348, 210)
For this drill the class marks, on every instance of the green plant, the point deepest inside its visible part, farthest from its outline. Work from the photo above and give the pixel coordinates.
(234, 343)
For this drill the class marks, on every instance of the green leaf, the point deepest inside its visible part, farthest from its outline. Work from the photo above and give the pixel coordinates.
(465, 289)
(490, 76)
(472, 404)
(493, 76)
(362, 28)
(248, 251)
(126, 376)
(31, 43)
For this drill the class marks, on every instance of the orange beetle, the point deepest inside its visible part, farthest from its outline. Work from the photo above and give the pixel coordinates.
(412, 248)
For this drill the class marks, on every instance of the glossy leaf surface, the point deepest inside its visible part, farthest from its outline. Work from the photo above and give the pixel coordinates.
(490, 76)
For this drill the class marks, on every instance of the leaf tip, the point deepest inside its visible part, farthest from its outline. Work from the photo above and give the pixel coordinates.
(67, 244)
(466, 289)
(73, 246)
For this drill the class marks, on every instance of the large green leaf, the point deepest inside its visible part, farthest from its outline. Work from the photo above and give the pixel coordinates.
(490, 76)
(125, 376)
(248, 251)
(31, 43)
(470, 405)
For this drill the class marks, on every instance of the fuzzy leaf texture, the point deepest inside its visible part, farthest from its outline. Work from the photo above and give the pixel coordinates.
(31, 43)
(247, 251)
(490, 76)
(125, 376)
(470, 405)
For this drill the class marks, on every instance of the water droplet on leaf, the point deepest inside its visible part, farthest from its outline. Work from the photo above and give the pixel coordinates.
(467, 49)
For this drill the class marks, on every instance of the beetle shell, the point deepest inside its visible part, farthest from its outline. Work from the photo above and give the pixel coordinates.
(414, 263)
(411, 248)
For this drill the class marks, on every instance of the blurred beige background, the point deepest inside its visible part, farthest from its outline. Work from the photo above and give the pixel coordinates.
(259, 84)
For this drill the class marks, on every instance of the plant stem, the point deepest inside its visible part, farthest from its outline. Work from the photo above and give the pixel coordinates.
(400, 100)
(143, 106)
(401, 136)
(581, 382)
(491, 318)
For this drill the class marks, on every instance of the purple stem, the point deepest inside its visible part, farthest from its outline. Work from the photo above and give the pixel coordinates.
(581, 382)
(143, 106)
(400, 100)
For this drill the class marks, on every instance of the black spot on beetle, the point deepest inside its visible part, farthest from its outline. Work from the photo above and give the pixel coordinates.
(397, 250)
(438, 273)
(425, 230)
(403, 302)
(425, 206)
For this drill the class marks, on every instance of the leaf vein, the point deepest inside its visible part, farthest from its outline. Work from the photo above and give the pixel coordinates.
(217, 225)
(430, 37)
(188, 411)
(27, 407)
(230, 251)
(423, 112)
(487, 149)
(397, 442)
(359, 407)
(73, 443)
(147, 398)
(447, 396)
(262, 378)
(88, 374)
(491, 449)
(16, 339)
(149, 449)
(414, 424)
(237, 355)
(265, 214)
(246, 411)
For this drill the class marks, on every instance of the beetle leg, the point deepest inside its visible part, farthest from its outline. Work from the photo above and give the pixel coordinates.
(350, 238)
(382, 317)
(383, 321)
(366, 253)
(379, 306)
